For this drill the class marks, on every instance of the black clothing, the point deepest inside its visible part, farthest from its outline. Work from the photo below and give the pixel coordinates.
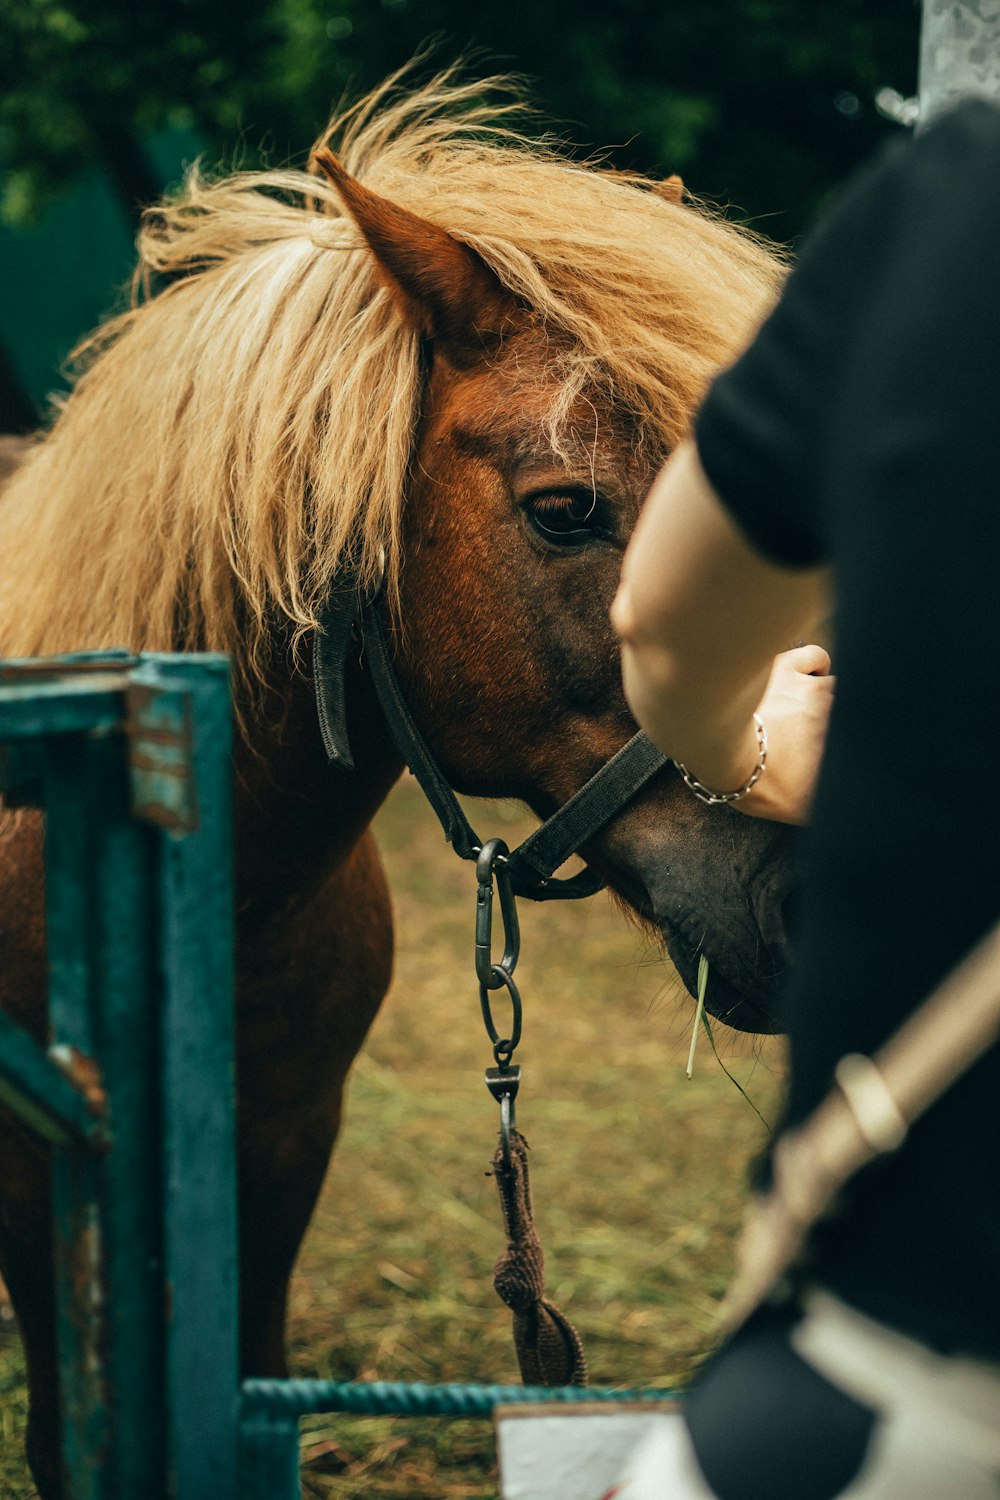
(767, 1425)
(827, 1405)
(860, 429)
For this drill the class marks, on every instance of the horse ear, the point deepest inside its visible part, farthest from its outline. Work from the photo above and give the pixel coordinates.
(671, 188)
(448, 288)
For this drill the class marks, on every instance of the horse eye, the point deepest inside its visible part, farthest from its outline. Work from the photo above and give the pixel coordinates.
(569, 517)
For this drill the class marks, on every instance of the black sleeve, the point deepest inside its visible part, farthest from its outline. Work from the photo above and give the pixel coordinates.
(761, 433)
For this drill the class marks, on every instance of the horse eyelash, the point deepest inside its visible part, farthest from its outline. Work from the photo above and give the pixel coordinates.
(594, 525)
(537, 502)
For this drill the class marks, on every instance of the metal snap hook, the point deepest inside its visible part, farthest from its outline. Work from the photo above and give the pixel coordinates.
(491, 865)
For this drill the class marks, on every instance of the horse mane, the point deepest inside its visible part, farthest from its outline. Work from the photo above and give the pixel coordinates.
(251, 416)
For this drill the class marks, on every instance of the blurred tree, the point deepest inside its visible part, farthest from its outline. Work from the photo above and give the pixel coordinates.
(762, 104)
(85, 81)
(765, 102)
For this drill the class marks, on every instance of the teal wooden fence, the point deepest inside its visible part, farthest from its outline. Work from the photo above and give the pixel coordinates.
(129, 758)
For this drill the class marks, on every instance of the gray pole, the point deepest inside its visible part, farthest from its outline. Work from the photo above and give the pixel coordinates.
(959, 52)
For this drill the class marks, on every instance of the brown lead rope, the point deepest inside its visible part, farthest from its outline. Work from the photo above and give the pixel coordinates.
(868, 1114)
(549, 1350)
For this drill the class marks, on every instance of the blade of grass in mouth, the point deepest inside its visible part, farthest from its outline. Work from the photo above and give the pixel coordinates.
(699, 1009)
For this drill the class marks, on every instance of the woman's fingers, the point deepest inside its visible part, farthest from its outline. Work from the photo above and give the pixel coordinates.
(810, 659)
(795, 709)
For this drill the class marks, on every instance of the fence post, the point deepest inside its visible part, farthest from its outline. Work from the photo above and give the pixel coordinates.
(102, 963)
(180, 740)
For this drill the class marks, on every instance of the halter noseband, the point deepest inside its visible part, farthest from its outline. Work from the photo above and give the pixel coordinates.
(531, 865)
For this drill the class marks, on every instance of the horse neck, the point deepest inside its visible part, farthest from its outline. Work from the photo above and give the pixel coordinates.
(296, 818)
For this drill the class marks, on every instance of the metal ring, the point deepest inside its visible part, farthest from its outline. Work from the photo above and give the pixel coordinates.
(502, 980)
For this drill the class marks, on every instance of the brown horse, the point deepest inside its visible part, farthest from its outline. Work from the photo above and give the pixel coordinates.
(456, 361)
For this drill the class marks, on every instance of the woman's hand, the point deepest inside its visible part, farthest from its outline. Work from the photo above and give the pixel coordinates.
(795, 709)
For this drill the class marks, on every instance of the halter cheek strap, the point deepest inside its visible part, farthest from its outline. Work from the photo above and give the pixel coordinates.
(531, 865)
(333, 640)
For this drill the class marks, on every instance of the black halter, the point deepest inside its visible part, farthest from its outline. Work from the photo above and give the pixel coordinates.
(530, 866)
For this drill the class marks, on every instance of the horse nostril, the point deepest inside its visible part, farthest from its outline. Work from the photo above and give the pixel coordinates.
(777, 905)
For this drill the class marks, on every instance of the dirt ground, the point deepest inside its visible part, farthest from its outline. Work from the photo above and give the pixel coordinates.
(638, 1176)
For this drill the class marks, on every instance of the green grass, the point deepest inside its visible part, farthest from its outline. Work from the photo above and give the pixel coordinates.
(638, 1176)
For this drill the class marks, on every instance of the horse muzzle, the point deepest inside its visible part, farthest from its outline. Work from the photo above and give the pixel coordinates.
(720, 885)
(748, 937)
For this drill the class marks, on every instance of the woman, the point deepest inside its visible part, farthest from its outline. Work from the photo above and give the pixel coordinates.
(852, 453)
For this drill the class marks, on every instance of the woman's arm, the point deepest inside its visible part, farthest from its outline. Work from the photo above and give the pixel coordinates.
(702, 616)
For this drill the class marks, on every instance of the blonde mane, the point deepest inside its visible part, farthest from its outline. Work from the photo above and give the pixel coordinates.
(234, 433)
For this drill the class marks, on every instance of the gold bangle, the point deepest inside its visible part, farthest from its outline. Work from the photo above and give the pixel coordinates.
(719, 799)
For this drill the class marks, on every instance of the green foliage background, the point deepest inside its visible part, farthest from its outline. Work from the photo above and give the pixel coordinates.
(760, 104)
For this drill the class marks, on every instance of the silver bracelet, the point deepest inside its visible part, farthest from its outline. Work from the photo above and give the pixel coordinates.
(719, 799)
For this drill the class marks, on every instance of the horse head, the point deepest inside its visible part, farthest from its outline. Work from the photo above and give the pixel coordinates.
(526, 481)
(453, 364)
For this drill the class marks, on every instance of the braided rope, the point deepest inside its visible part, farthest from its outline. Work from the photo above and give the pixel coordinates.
(299, 1398)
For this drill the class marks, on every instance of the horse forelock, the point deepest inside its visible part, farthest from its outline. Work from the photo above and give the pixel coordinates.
(252, 415)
